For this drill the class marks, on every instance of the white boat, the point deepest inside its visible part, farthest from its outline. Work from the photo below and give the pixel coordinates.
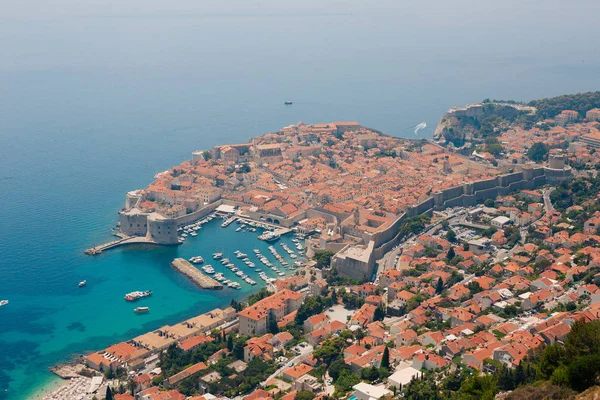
(192, 233)
(238, 229)
(217, 256)
(3, 302)
(141, 309)
(82, 283)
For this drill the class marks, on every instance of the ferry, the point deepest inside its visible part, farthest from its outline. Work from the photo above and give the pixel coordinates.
(3, 303)
(82, 283)
(217, 256)
(133, 296)
(141, 309)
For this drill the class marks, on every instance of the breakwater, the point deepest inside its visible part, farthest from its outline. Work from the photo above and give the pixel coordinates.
(193, 274)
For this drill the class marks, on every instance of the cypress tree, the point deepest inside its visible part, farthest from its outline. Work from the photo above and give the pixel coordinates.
(109, 395)
(385, 359)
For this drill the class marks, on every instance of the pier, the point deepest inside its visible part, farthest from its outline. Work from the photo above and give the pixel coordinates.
(124, 239)
(194, 274)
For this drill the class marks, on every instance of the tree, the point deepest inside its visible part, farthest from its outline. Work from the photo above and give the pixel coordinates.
(451, 254)
(336, 367)
(323, 258)
(552, 357)
(451, 236)
(379, 314)
(583, 339)
(109, 395)
(584, 371)
(230, 343)
(359, 335)
(206, 155)
(370, 374)
(439, 286)
(538, 152)
(385, 358)
(273, 326)
(304, 395)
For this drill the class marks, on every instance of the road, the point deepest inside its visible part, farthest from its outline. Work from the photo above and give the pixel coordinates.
(305, 352)
(547, 203)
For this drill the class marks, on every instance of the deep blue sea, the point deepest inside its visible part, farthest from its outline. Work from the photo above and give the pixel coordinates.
(98, 96)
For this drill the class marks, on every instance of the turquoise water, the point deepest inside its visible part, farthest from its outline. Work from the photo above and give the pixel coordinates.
(99, 312)
(98, 96)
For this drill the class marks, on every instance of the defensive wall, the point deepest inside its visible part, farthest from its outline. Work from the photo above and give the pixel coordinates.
(465, 195)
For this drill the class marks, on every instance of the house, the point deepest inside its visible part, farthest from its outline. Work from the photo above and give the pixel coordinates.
(296, 371)
(402, 377)
(429, 361)
(315, 322)
(186, 373)
(365, 391)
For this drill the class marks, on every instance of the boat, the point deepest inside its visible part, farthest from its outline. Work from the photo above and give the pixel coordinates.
(197, 260)
(238, 229)
(217, 256)
(288, 102)
(3, 302)
(141, 309)
(133, 296)
(82, 283)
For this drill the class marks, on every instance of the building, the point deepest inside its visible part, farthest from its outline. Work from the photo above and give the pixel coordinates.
(254, 319)
(500, 221)
(364, 391)
(566, 117)
(593, 114)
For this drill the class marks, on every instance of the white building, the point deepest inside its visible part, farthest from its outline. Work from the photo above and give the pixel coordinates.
(364, 391)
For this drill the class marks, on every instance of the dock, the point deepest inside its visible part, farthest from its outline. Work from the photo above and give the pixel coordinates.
(194, 274)
(123, 240)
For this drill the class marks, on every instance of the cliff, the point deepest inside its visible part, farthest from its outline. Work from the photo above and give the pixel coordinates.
(462, 124)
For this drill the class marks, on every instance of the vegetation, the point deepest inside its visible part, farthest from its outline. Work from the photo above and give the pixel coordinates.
(538, 152)
(323, 258)
(580, 102)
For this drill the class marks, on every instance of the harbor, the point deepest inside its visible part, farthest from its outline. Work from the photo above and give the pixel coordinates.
(194, 275)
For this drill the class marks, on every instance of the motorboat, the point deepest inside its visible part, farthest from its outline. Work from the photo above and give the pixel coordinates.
(82, 283)
(141, 310)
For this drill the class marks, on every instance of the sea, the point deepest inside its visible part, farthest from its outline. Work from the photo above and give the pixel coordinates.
(96, 97)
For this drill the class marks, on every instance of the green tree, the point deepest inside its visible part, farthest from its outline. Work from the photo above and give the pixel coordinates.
(584, 371)
(439, 287)
(538, 152)
(552, 357)
(323, 258)
(370, 374)
(109, 395)
(451, 254)
(359, 334)
(337, 367)
(584, 339)
(379, 313)
(385, 358)
(230, 343)
(304, 395)
(451, 236)
(273, 328)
